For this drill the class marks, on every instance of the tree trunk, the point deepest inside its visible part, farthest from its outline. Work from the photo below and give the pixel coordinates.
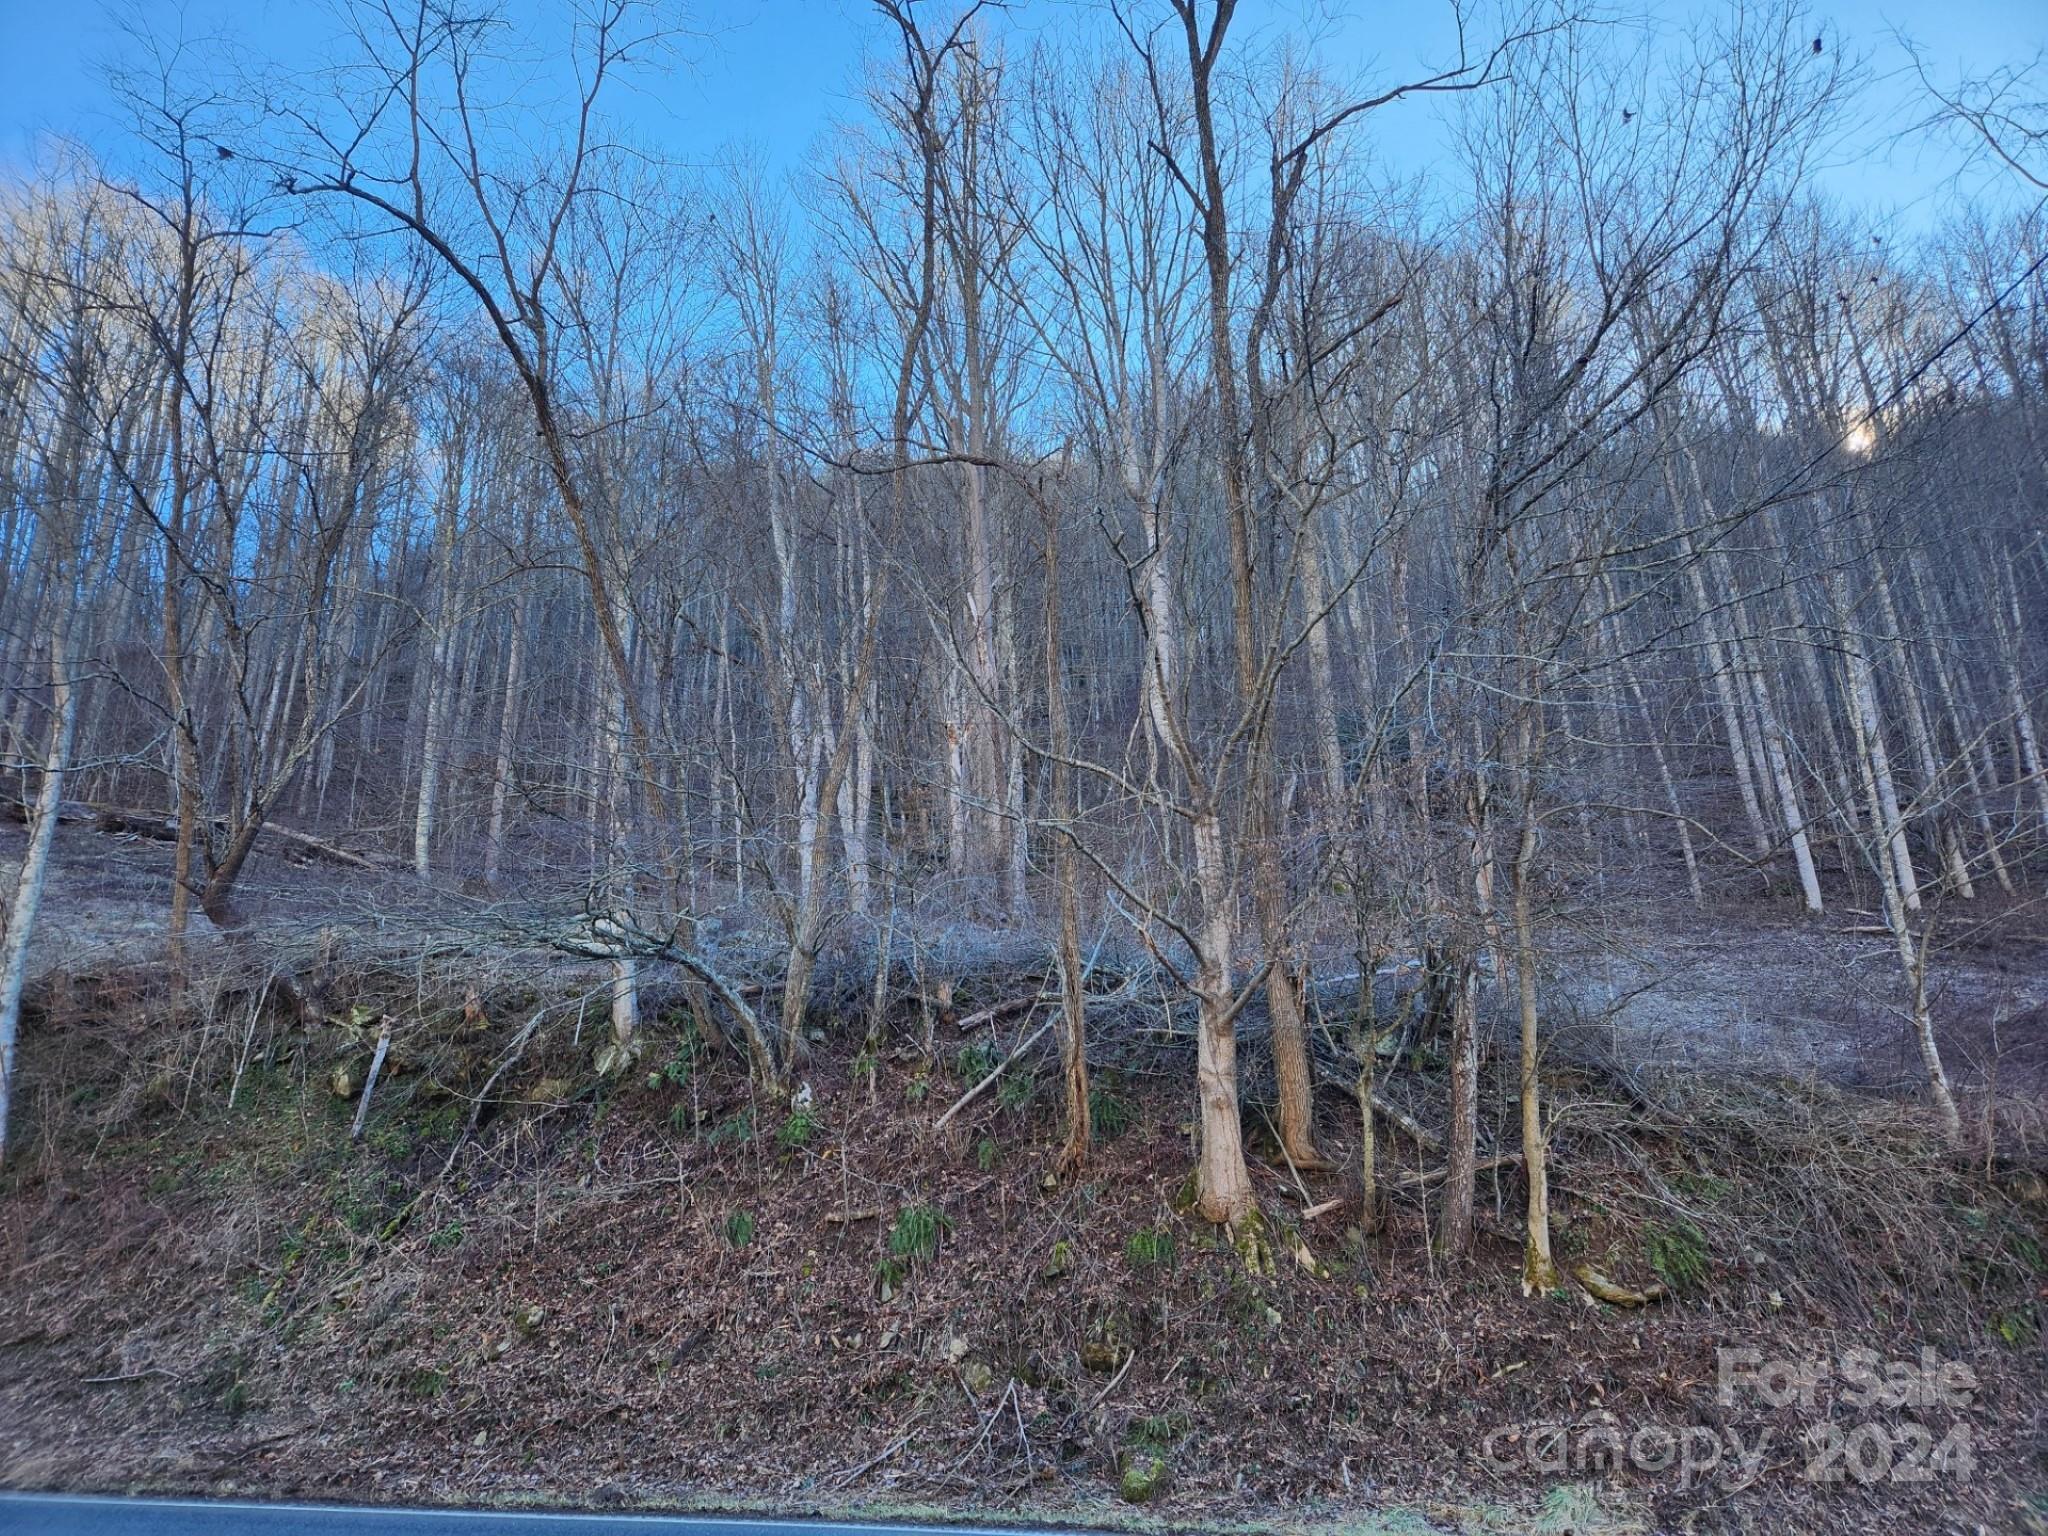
(1074, 1151)
(1223, 1183)
(1539, 1269)
(35, 865)
(1365, 1044)
(508, 735)
(1461, 1145)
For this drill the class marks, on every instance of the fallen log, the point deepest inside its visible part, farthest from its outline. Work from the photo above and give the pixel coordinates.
(16, 809)
(1003, 1010)
(1613, 1292)
(162, 827)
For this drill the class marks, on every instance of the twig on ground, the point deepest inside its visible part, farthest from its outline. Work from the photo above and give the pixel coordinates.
(1103, 1396)
(476, 1108)
(983, 1086)
(847, 1218)
(874, 1461)
(141, 1375)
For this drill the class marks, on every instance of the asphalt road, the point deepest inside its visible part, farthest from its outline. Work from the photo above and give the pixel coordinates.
(32, 1514)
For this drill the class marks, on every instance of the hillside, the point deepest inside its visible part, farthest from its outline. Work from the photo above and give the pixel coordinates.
(671, 1289)
(1255, 765)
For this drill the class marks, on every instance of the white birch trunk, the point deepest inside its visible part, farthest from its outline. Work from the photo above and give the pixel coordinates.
(35, 865)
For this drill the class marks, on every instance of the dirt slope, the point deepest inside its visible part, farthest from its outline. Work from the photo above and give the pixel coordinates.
(663, 1291)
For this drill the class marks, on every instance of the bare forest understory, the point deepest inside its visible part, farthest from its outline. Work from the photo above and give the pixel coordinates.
(1095, 812)
(527, 1283)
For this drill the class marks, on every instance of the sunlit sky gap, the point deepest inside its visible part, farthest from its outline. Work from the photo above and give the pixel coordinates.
(778, 76)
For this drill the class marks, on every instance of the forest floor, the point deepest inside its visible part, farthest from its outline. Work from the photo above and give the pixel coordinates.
(663, 1291)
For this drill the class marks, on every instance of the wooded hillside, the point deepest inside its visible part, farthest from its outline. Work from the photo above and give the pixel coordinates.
(1094, 553)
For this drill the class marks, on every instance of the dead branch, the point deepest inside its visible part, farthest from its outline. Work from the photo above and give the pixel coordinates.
(982, 1087)
(355, 1132)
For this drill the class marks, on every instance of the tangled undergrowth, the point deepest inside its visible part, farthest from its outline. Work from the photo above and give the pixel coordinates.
(666, 1289)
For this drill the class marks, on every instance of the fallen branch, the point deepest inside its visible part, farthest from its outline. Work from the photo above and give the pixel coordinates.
(1003, 1010)
(848, 1218)
(1037, 1034)
(141, 1375)
(1123, 1370)
(1484, 1165)
(615, 936)
(1428, 1139)
(355, 1131)
(879, 1457)
(318, 847)
(1613, 1292)
(161, 826)
(476, 1108)
(268, 1440)
(982, 1087)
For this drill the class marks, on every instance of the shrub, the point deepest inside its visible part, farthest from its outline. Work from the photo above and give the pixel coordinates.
(915, 1236)
(681, 1066)
(1678, 1253)
(798, 1129)
(739, 1229)
(976, 1060)
(2016, 1327)
(426, 1383)
(1016, 1089)
(1061, 1261)
(1159, 1431)
(1109, 1112)
(1150, 1248)
(732, 1128)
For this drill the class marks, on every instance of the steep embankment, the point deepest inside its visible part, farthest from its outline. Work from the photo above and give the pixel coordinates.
(664, 1289)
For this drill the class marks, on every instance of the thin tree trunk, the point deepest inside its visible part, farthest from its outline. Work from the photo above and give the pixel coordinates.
(1074, 1151)
(35, 865)
(508, 736)
(1539, 1269)
(1462, 1140)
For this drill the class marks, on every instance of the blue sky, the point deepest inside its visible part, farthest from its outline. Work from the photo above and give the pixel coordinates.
(778, 73)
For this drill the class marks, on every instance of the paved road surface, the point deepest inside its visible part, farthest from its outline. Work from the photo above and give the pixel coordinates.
(29, 1514)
